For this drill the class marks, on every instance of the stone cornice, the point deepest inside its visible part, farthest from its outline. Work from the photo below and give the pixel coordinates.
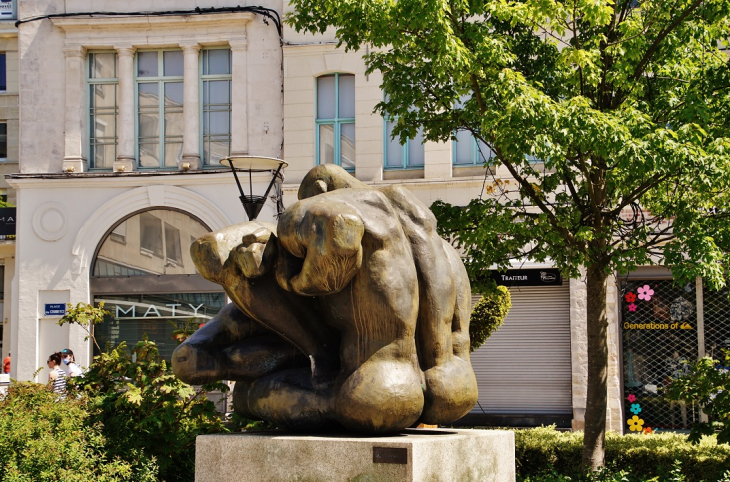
(158, 23)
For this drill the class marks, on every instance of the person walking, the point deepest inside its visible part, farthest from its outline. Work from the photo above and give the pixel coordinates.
(57, 377)
(6, 364)
(72, 368)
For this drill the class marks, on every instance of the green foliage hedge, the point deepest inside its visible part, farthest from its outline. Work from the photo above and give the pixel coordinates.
(542, 453)
(488, 315)
(43, 439)
(128, 419)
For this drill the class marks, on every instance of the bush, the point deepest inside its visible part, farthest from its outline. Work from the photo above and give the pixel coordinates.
(707, 384)
(144, 408)
(544, 452)
(43, 438)
(488, 315)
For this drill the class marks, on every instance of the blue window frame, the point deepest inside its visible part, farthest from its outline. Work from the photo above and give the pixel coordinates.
(335, 120)
(103, 91)
(159, 98)
(467, 151)
(215, 85)
(409, 155)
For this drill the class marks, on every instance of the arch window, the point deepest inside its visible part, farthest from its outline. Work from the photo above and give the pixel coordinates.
(335, 120)
(144, 274)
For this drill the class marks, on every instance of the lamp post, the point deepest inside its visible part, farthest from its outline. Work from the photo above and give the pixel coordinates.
(252, 203)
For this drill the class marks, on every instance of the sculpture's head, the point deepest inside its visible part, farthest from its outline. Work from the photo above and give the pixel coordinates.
(326, 178)
(328, 236)
(251, 246)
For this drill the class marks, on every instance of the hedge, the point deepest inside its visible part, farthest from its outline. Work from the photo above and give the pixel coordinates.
(543, 452)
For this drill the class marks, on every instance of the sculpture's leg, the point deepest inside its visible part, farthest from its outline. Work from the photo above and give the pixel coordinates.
(286, 398)
(443, 314)
(451, 387)
(232, 346)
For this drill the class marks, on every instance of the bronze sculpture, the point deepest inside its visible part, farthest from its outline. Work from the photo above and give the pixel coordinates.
(351, 312)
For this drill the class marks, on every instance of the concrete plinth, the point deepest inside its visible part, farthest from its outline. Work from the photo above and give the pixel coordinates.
(414, 455)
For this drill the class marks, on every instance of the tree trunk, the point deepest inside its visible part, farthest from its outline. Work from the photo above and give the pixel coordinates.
(597, 396)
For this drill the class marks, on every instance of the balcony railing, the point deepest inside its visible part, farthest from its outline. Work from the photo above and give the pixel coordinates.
(8, 10)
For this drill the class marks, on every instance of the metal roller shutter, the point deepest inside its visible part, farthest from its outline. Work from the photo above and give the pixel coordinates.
(524, 367)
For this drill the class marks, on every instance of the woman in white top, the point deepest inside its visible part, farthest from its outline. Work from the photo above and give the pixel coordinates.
(57, 377)
(73, 369)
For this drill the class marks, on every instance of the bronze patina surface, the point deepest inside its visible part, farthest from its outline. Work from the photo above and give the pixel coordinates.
(351, 312)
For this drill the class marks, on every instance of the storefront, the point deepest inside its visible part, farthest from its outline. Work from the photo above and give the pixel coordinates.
(144, 275)
(666, 326)
(524, 369)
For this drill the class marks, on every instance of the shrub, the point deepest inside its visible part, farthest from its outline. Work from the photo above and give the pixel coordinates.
(544, 451)
(488, 315)
(43, 438)
(707, 384)
(143, 407)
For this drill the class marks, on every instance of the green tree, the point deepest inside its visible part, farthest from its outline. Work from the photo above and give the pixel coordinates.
(625, 103)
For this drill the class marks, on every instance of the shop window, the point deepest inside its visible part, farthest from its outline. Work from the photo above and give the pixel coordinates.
(336, 120)
(159, 84)
(716, 312)
(216, 85)
(3, 141)
(135, 268)
(659, 337)
(2, 282)
(151, 243)
(154, 316)
(408, 155)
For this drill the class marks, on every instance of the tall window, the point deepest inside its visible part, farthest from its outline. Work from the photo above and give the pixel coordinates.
(470, 152)
(3, 141)
(406, 156)
(216, 78)
(336, 120)
(103, 109)
(159, 108)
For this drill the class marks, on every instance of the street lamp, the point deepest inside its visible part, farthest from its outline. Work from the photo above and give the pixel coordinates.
(252, 203)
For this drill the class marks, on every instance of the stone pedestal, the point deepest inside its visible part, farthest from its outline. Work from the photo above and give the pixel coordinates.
(413, 455)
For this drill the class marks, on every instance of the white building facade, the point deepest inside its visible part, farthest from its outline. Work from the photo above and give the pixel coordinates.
(124, 119)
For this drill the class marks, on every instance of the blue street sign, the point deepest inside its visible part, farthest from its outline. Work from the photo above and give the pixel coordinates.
(55, 309)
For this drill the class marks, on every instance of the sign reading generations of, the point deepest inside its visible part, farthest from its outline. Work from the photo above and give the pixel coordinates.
(528, 277)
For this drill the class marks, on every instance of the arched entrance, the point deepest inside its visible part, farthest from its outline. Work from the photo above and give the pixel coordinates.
(143, 272)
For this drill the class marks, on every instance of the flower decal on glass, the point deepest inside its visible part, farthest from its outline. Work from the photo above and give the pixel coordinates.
(635, 423)
(631, 398)
(635, 408)
(645, 292)
(630, 297)
(648, 431)
(632, 307)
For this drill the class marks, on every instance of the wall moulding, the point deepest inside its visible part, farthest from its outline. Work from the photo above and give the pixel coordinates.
(153, 32)
(121, 206)
(157, 23)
